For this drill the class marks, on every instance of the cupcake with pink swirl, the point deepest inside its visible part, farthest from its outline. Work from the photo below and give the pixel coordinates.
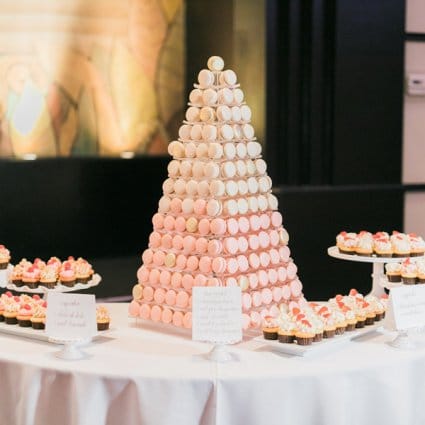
(24, 316)
(31, 277)
(67, 274)
(408, 272)
(417, 245)
(49, 276)
(83, 271)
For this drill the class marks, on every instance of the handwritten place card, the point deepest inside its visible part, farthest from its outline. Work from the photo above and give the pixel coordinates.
(406, 307)
(70, 316)
(217, 314)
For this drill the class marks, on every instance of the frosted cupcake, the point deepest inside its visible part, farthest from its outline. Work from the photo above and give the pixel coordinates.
(49, 276)
(31, 277)
(382, 247)
(340, 322)
(347, 244)
(393, 272)
(4, 257)
(102, 318)
(401, 244)
(38, 319)
(286, 331)
(304, 332)
(408, 272)
(83, 271)
(270, 328)
(420, 269)
(364, 244)
(10, 312)
(24, 316)
(67, 275)
(378, 308)
(417, 245)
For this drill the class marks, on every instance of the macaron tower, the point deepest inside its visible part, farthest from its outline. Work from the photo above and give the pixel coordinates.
(217, 222)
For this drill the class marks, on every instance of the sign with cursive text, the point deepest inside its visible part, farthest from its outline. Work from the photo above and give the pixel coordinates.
(217, 314)
(70, 316)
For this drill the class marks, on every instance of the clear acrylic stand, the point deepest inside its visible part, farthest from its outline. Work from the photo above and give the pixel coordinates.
(403, 341)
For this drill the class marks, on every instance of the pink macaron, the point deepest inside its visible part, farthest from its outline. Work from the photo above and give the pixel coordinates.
(159, 295)
(182, 299)
(253, 280)
(246, 322)
(296, 287)
(231, 245)
(169, 222)
(219, 265)
(218, 226)
(205, 264)
(134, 309)
(143, 274)
(291, 270)
(232, 226)
(273, 276)
(192, 263)
(158, 221)
(267, 296)
(215, 247)
(254, 260)
(243, 244)
(148, 293)
(155, 240)
(147, 256)
(154, 276)
(176, 280)
(264, 259)
(265, 221)
(200, 207)
(231, 281)
(274, 256)
(246, 301)
(176, 205)
(243, 264)
(181, 262)
(277, 294)
(244, 224)
(178, 318)
(281, 274)
(189, 244)
(165, 278)
(177, 242)
(166, 316)
(284, 253)
(201, 245)
(232, 265)
(255, 222)
(274, 238)
(167, 241)
(187, 320)
(145, 311)
(158, 258)
(180, 224)
(213, 281)
(200, 280)
(156, 313)
(187, 281)
(286, 292)
(257, 299)
(170, 297)
(276, 218)
(264, 239)
(253, 242)
(263, 278)
(204, 226)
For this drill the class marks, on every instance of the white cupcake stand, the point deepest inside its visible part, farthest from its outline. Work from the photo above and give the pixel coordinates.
(379, 282)
(378, 272)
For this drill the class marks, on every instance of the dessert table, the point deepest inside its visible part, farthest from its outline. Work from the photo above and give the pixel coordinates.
(136, 375)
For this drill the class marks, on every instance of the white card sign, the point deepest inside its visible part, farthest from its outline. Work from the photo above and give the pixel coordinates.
(70, 316)
(406, 307)
(217, 314)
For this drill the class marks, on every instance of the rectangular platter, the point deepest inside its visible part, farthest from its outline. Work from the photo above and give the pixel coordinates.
(37, 334)
(318, 347)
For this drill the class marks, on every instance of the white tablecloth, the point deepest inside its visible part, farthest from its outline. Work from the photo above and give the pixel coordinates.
(140, 376)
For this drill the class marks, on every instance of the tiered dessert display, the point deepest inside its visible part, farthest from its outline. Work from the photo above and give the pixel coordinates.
(217, 222)
(381, 249)
(54, 275)
(5, 267)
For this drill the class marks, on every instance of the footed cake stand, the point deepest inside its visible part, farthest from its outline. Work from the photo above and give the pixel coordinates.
(378, 272)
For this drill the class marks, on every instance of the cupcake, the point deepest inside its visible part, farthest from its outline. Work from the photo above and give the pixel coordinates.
(347, 244)
(350, 318)
(393, 272)
(378, 308)
(370, 313)
(49, 276)
(360, 315)
(420, 269)
(364, 244)
(11, 311)
(83, 271)
(55, 263)
(16, 275)
(4, 257)
(102, 318)
(382, 247)
(286, 331)
(67, 274)
(24, 316)
(31, 276)
(340, 322)
(39, 263)
(417, 245)
(304, 333)
(401, 244)
(270, 327)
(38, 319)
(408, 272)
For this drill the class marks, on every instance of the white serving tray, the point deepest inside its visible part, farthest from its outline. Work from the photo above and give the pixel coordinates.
(327, 344)
(38, 334)
(58, 288)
